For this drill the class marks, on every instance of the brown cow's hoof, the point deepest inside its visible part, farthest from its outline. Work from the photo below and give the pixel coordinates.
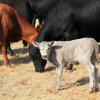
(7, 65)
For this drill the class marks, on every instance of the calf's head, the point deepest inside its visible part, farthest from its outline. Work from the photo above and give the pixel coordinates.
(44, 48)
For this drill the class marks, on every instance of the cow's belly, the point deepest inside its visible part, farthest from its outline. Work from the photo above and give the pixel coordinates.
(14, 37)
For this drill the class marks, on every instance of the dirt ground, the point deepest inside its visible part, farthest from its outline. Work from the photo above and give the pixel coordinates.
(21, 82)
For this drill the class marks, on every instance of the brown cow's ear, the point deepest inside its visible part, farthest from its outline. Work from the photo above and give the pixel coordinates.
(35, 44)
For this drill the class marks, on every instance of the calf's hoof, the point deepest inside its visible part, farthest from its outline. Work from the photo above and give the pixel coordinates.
(57, 88)
(93, 90)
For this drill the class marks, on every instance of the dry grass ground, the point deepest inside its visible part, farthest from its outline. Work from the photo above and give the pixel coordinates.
(21, 82)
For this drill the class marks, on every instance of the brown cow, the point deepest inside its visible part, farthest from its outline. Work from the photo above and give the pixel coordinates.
(13, 27)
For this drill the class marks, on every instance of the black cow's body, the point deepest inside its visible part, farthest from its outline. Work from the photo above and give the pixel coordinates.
(69, 19)
(22, 6)
(40, 8)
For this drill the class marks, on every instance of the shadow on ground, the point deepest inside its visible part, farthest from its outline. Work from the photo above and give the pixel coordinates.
(80, 82)
(49, 69)
(20, 50)
(18, 59)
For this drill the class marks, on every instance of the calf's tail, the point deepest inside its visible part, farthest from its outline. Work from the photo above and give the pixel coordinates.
(97, 53)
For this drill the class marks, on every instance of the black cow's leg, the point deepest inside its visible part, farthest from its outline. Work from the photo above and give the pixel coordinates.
(69, 67)
(10, 50)
(24, 43)
(38, 62)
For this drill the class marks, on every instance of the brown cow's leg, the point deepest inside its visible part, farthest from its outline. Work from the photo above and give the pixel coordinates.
(4, 52)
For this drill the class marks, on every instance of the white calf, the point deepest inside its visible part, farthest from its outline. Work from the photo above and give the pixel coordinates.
(61, 53)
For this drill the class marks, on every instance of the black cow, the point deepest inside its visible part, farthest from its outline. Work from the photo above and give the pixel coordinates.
(69, 19)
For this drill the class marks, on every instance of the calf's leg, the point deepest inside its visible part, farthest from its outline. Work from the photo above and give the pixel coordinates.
(93, 77)
(59, 70)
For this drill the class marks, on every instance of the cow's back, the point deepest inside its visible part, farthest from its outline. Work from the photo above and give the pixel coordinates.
(70, 18)
(68, 50)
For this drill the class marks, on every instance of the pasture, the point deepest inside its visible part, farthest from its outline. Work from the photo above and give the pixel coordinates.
(21, 82)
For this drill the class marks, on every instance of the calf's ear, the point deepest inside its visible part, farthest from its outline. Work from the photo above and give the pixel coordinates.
(51, 43)
(35, 44)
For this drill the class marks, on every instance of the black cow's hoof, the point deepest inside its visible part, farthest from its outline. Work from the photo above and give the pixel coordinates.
(41, 71)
